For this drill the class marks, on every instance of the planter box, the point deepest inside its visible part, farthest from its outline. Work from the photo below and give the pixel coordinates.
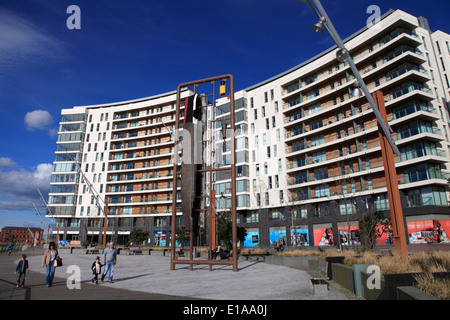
(373, 294)
(390, 283)
(290, 261)
(357, 270)
(412, 293)
(405, 279)
(332, 260)
(344, 276)
(163, 252)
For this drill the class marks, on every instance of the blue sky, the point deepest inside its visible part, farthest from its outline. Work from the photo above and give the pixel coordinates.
(138, 48)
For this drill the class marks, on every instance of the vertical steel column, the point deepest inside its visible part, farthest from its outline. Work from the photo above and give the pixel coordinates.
(233, 176)
(175, 179)
(395, 205)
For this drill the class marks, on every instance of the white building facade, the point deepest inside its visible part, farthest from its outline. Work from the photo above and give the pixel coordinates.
(308, 157)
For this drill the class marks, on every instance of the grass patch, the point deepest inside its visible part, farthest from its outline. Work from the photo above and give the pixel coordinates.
(253, 251)
(297, 253)
(392, 263)
(439, 288)
(416, 262)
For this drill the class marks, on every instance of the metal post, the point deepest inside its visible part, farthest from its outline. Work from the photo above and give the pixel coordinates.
(105, 223)
(320, 12)
(233, 177)
(395, 205)
(388, 146)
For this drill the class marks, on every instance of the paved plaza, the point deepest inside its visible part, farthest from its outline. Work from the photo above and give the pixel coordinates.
(150, 277)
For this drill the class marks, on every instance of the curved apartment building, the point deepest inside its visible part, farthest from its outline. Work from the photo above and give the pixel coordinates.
(309, 162)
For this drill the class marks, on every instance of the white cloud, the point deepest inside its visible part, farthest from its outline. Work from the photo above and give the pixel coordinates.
(6, 162)
(38, 119)
(18, 188)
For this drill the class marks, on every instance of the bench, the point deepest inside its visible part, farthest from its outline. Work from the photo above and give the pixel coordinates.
(180, 253)
(322, 273)
(135, 252)
(257, 256)
(92, 251)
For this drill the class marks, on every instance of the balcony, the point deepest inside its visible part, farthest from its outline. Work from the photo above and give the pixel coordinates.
(398, 37)
(408, 91)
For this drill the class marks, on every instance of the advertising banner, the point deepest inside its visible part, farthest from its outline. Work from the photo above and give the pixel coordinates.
(429, 231)
(299, 237)
(252, 239)
(277, 237)
(349, 236)
(323, 237)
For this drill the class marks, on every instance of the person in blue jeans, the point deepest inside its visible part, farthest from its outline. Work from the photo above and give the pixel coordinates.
(49, 262)
(109, 258)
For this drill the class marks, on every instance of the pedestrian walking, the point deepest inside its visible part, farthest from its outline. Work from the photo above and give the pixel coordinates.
(48, 261)
(109, 261)
(22, 270)
(10, 247)
(96, 269)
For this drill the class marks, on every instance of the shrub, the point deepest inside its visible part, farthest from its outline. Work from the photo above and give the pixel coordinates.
(297, 253)
(440, 288)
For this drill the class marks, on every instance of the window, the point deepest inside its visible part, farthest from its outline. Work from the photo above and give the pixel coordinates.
(317, 140)
(321, 173)
(322, 191)
(319, 156)
(312, 94)
(313, 125)
(314, 108)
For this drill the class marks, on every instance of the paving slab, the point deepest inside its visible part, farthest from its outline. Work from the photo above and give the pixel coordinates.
(150, 277)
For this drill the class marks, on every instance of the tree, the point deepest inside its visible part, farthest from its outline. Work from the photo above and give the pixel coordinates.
(261, 189)
(182, 237)
(372, 226)
(138, 235)
(225, 234)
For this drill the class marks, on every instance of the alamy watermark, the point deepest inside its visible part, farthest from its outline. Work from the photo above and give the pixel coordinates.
(374, 280)
(74, 280)
(374, 18)
(74, 20)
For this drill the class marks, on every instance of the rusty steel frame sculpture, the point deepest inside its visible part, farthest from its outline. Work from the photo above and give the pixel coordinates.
(194, 173)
